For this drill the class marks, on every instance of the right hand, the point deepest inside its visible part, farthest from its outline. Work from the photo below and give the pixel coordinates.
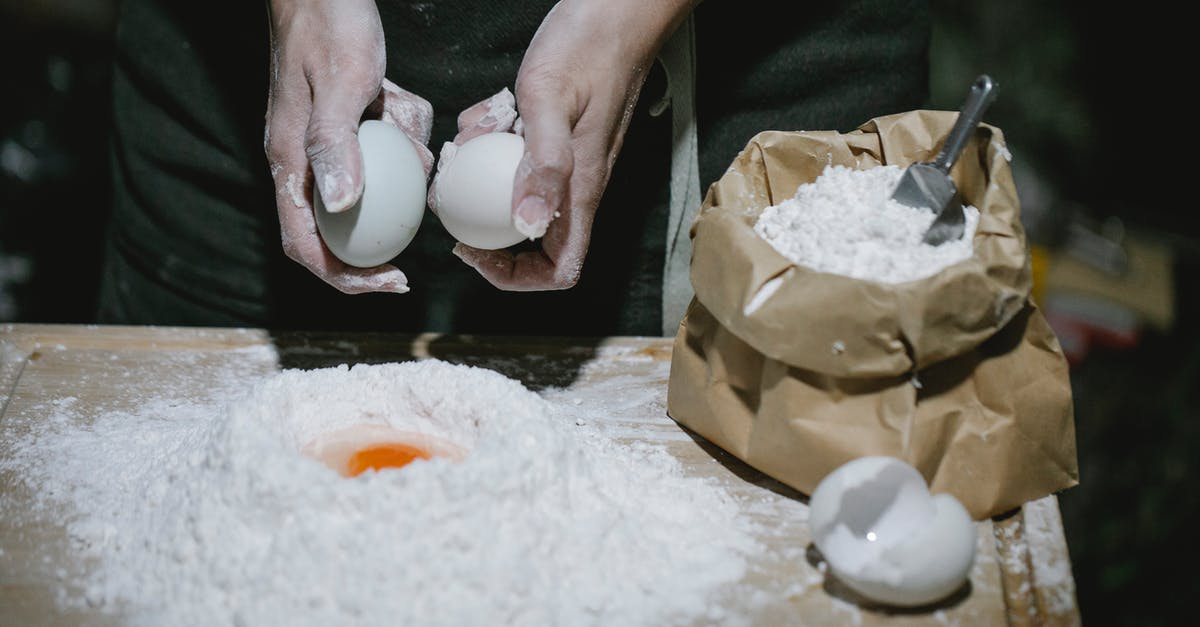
(327, 64)
(577, 88)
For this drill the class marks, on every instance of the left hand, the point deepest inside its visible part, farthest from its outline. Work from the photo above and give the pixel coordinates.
(576, 91)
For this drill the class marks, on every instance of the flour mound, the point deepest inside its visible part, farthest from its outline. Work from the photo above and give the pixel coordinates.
(846, 223)
(195, 513)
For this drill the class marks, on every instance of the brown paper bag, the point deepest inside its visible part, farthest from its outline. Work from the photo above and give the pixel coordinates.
(958, 373)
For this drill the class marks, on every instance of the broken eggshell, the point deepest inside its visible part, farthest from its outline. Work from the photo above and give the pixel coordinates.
(474, 189)
(383, 222)
(886, 538)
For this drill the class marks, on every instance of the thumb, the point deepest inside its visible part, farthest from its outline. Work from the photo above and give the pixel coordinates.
(331, 143)
(540, 188)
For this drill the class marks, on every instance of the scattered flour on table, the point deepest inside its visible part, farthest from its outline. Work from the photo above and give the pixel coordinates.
(204, 512)
(1051, 565)
(846, 223)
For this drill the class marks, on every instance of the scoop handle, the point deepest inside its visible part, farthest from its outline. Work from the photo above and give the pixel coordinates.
(981, 95)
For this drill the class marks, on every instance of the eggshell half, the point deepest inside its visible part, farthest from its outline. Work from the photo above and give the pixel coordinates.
(386, 218)
(474, 190)
(886, 538)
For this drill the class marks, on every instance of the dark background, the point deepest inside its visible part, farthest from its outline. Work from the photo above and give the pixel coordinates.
(1082, 107)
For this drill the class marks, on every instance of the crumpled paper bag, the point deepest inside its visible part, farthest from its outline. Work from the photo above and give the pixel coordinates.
(958, 373)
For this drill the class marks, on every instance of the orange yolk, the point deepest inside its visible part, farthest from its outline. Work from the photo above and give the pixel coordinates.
(380, 456)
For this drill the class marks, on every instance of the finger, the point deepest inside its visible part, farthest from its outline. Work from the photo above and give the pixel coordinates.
(410, 113)
(288, 109)
(505, 270)
(425, 155)
(384, 278)
(496, 114)
(310, 251)
(449, 149)
(556, 266)
(523, 272)
(287, 117)
(542, 180)
(303, 244)
(331, 140)
(404, 110)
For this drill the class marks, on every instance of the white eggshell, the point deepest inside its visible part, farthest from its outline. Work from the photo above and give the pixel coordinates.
(886, 538)
(936, 561)
(474, 191)
(386, 219)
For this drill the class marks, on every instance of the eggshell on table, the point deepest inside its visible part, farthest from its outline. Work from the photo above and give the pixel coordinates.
(886, 538)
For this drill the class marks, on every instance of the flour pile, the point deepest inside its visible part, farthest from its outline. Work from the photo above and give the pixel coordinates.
(205, 513)
(846, 223)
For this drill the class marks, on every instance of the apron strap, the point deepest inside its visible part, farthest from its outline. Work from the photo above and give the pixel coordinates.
(678, 57)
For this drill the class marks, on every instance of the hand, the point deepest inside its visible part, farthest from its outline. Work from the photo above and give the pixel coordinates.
(327, 63)
(576, 89)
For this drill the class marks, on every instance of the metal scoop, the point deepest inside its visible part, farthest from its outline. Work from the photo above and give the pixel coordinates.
(928, 185)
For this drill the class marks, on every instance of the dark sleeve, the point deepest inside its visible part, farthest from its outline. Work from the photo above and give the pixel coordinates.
(193, 205)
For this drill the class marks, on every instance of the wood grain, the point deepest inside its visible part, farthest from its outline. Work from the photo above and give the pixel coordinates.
(1021, 576)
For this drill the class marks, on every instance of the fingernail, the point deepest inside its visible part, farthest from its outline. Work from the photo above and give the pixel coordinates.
(449, 149)
(396, 281)
(335, 188)
(532, 217)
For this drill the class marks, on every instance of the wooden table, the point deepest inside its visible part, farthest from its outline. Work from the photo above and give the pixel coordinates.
(1022, 574)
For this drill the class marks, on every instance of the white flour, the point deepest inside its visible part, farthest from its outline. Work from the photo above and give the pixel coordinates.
(846, 223)
(205, 513)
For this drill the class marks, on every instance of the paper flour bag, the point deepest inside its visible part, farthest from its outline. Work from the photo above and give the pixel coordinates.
(797, 371)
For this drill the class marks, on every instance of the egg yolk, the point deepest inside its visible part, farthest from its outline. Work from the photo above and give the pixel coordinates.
(381, 456)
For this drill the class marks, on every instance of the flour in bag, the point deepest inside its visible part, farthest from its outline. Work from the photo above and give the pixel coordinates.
(846, 223)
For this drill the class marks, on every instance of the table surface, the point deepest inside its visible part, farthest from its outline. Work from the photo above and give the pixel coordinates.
(1021, 576)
